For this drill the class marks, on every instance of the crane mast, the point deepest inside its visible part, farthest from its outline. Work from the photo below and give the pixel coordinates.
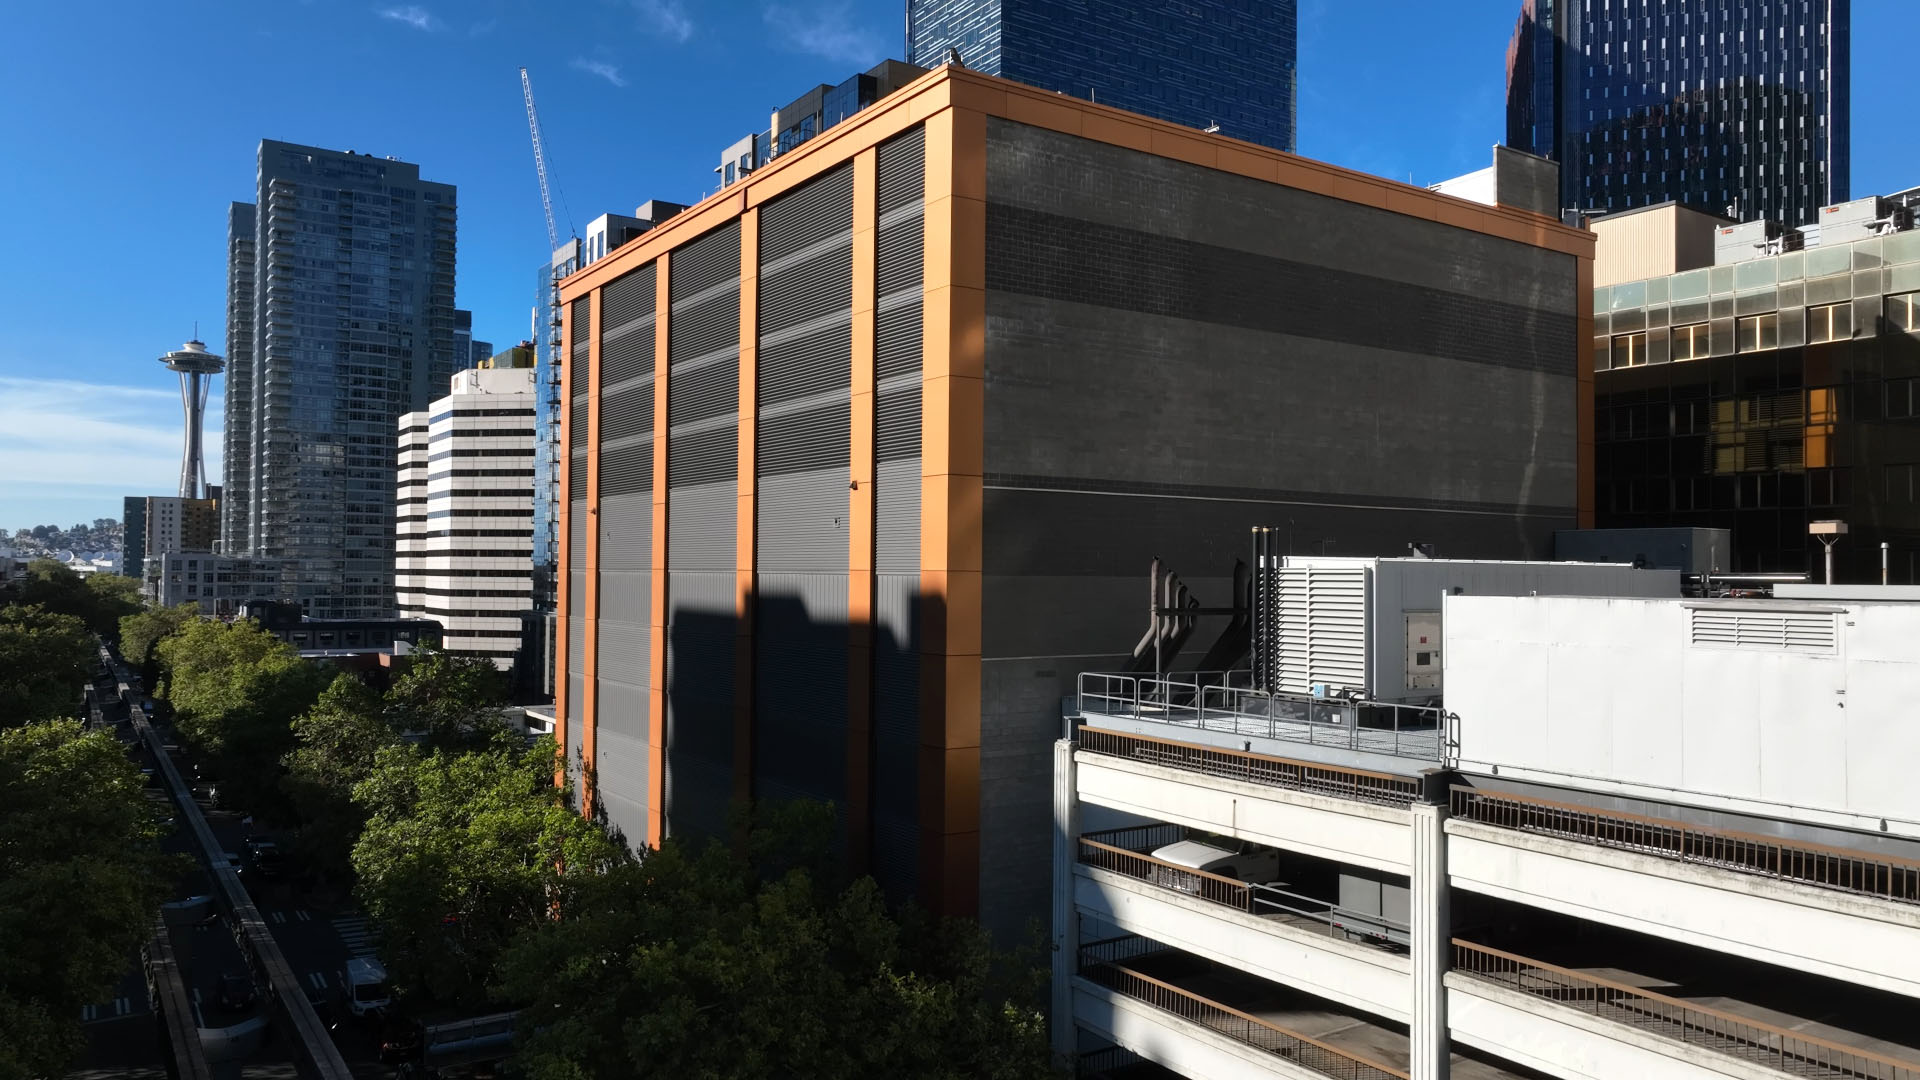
(539, 160)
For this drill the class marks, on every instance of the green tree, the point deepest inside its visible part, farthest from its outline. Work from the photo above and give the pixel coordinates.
(337, 743)
(235, 691)
(81, 877)
(44, 661)
(99, 600)
(453, 700)
(464, 851)
(142, 631)
(714, 964)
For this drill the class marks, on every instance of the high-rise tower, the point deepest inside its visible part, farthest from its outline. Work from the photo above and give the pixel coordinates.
(1201, 63)
(1734, 107)
(196, 367)
(348, 281)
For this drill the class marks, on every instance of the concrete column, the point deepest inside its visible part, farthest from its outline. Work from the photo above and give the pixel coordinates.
(1066, 918)
(1432, 943)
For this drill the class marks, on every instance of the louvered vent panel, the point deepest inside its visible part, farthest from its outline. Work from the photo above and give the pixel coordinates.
(1770, 631)
(705, 263)
(577, 344)
(700, 392)
(627, 298)
(900, 170)
(626, 468)
(800, 441)
(577, 424)
(627, 353)
(1323, 628)
(806, 365)
(703, 328)
(896, 345)
(807, 288)
(703, 457)
(805, 216)
(626, 413)
(899, 253)
(577, 475)
(897, 423)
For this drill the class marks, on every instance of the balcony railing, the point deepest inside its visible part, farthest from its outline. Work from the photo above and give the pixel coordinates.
(1227, 702)
(1883, 876)
(1123, 851)
(1751, 1040)
(1102, 963)
(1336, 780)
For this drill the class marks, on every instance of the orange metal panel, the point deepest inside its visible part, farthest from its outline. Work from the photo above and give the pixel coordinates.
(590, 686)
(860, 512)
(1193, 149)
(563, 565)
(1257, 166)
(745, 520)
(657, 653)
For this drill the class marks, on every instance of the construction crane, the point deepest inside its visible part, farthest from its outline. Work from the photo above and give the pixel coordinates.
(540, 164)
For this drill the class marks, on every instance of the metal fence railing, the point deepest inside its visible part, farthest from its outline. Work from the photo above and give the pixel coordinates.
(1303, 1050)
(1227, 702)
(1765, 1044)
(1320, 779)
(1884, 876)
(1124, 851)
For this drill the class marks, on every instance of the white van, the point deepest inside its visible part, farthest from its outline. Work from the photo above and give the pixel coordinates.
(1220, 855)
(365, 985)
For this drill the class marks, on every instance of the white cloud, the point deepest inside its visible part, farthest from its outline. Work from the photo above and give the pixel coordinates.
(666, 18)
(62, 442)
(598, 67)
(827, 31)
(413, 15)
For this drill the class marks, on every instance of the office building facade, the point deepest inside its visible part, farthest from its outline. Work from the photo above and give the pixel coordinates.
(236, 451)
(863, 451)
(133, 536)
(352, 278)
(465, 512)
(1763, 392)
(1734, 107)
(1196, 64)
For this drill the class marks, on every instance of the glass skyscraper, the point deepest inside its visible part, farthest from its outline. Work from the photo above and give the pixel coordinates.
(1734, 107)
(1200, 62)
(349, 281)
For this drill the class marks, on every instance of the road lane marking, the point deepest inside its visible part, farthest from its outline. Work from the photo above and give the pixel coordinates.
(280, 917)
(303, 916)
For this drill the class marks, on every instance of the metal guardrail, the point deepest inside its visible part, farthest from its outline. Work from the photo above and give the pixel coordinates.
(167, 995)
(1886, 877)
(1226, 701)
(1339, 781)
(1774, 1047)
(1242, 1027)
(1125, 856)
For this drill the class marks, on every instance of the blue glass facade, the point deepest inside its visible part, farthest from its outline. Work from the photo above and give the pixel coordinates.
(1201, 62)
(546, 443)
(1735, 107)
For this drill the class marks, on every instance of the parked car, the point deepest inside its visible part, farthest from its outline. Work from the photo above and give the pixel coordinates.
(263, 858)
(1216, 855)
(236, 992)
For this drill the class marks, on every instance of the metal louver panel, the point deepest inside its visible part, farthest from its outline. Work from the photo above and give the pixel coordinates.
(703, 457)
(577, 423)
(577, 475)
(626, 468)
(697, 392)
(712, 260)
(806, 289)
(577, 345)
(627, 298)
(899, 252)
(900, 170)
(897, 423)
(627, 353)
(1322, 628)
(806, 440)
(1770, 631)
(807, 215)
(577, 537)
(626, 541)
(819, 360)
(626, 413)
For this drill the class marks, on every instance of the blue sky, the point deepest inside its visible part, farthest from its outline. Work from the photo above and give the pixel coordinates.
(129, 125)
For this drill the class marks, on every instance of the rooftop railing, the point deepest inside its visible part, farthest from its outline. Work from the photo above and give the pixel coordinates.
(1883, 876)
(1227, 702)
(1103, 962)
(1338, 781)
(1764, 1044)
(1123, 851)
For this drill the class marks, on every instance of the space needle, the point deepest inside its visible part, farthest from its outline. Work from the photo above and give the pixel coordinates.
(197, 367)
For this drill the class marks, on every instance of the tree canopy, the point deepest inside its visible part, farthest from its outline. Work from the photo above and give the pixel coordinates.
(44, 660)
(451, 699)
(142, 631)
(98, 600)
(716, 964)
(463, 851)
(81, 875)
(235, 691)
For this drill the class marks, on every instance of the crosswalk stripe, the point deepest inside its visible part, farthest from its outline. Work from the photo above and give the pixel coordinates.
(280, 916)
(196, 995)
(303, 916)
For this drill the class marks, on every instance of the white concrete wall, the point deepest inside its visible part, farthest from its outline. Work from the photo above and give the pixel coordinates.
(1611, 694)
(1328, 965)
(1378, 837)
(1566, 1042)
(1840, 935)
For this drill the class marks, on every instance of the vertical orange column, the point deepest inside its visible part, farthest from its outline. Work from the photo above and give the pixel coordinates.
(589, 685)
(952, 456)
(657, 640)
(1584, 419)
(743, 563)
(563, 557)
(860, 516)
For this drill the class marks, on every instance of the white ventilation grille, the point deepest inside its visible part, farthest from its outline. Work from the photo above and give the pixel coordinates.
(1774, 631)
(1323, 628)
